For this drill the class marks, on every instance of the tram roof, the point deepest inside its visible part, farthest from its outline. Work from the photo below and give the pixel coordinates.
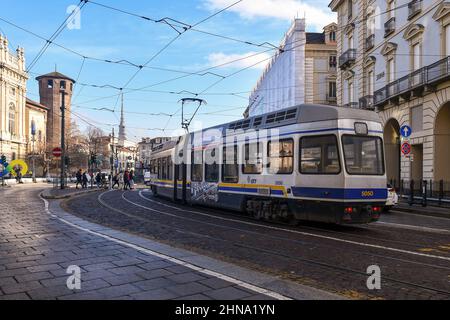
(304, 113)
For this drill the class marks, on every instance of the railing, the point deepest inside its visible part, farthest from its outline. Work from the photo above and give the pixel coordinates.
(389, 26)
(423, 191)
(414, 7)
(366, 102)
(347, 58)
(418, 79)
(438, 70)
(379, 96)
(370, 42)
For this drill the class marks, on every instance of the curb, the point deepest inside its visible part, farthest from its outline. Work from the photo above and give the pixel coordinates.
(67, 196)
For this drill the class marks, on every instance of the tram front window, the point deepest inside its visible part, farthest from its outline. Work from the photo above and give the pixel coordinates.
(363, 155)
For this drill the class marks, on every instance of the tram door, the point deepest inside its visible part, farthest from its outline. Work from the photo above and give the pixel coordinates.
(183, 182)
(180, 182)
(176, 173)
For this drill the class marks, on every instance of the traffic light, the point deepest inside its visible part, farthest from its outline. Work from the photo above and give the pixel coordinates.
(67, 161)
(93, 158)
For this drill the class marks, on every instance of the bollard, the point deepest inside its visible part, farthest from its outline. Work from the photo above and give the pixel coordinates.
(441, 191)
(431, 189)
(411, 193)
(424, 193)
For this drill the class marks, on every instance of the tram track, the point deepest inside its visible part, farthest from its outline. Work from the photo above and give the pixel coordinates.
(286, 228)
(278, 254)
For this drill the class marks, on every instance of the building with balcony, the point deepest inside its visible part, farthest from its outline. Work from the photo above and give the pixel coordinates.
(395, 58)
(145, 147)
(304, 71)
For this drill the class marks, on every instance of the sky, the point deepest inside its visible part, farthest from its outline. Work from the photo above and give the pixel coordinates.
(106, 34)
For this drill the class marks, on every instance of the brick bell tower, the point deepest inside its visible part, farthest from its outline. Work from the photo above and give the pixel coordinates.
(50, 86)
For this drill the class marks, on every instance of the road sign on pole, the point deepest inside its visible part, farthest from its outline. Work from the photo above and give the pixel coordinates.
(57, 152)
(405, 131)
(406, 148)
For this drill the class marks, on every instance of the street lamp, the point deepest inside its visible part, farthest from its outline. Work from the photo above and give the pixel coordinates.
(33, 140)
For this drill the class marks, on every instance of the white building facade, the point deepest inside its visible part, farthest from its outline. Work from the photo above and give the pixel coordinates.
(300, 73)
(394, 57)
(13, 80)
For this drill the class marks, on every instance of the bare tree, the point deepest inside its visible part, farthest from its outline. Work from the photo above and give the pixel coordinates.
(76, 148)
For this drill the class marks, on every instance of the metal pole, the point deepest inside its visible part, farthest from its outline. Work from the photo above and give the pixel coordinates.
(33, 161)
(63, 126)
(112, 159)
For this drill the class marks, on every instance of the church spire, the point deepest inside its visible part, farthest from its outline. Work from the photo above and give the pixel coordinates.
(122, 136)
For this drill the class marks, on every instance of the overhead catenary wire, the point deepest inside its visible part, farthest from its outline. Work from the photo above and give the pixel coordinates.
(58, 31)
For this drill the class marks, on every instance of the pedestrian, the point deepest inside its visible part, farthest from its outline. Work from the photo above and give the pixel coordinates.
(79, 176)
(126, 180)
(121, 181)
(18, 172)
(116, 181)
(131, 179)
(98, 179)
(84, 180)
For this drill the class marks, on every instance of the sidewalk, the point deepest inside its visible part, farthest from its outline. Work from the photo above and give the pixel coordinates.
(417, 208)
(39, 241)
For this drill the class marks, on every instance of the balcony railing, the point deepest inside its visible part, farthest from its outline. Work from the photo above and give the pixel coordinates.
(347, 58)
(370, 42)
(366, 103)
(416, 81)
(389, 26)
(414, 7)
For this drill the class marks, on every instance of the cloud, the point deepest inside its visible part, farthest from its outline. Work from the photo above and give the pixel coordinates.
(316, 12)
(249, 59)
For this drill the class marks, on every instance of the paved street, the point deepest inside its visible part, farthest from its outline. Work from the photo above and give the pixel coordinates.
(37, 248)
(413, 252)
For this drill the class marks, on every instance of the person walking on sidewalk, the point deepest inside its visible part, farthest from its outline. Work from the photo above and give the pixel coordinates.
(79, 176)
(126, 180)
(84, 180)
(131, 179)
(98, 179)
(116, 181)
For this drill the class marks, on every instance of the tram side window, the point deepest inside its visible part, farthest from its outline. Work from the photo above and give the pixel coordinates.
(253, 158)
(230, 167)
(164, 169)
(319, 155)
(211, 166)
(281, 156)
(197, 166)
(159, 169)
(169, 168)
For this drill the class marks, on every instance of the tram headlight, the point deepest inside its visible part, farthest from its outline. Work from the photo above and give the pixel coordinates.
(361, 128)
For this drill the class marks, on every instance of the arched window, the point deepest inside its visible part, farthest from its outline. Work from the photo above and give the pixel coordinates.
(12, 118)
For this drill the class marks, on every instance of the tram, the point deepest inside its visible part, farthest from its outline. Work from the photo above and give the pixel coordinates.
(309, 162)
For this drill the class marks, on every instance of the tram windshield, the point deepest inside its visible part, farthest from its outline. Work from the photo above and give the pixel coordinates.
(363, 155)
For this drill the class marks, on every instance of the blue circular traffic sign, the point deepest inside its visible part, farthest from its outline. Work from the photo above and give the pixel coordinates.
(405, 131)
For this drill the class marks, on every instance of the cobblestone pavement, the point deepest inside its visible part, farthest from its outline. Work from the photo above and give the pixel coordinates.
(36, 250)
(414, 262)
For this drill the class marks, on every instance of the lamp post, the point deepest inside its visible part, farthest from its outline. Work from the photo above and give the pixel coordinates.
(63, 125)
(33, 140)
